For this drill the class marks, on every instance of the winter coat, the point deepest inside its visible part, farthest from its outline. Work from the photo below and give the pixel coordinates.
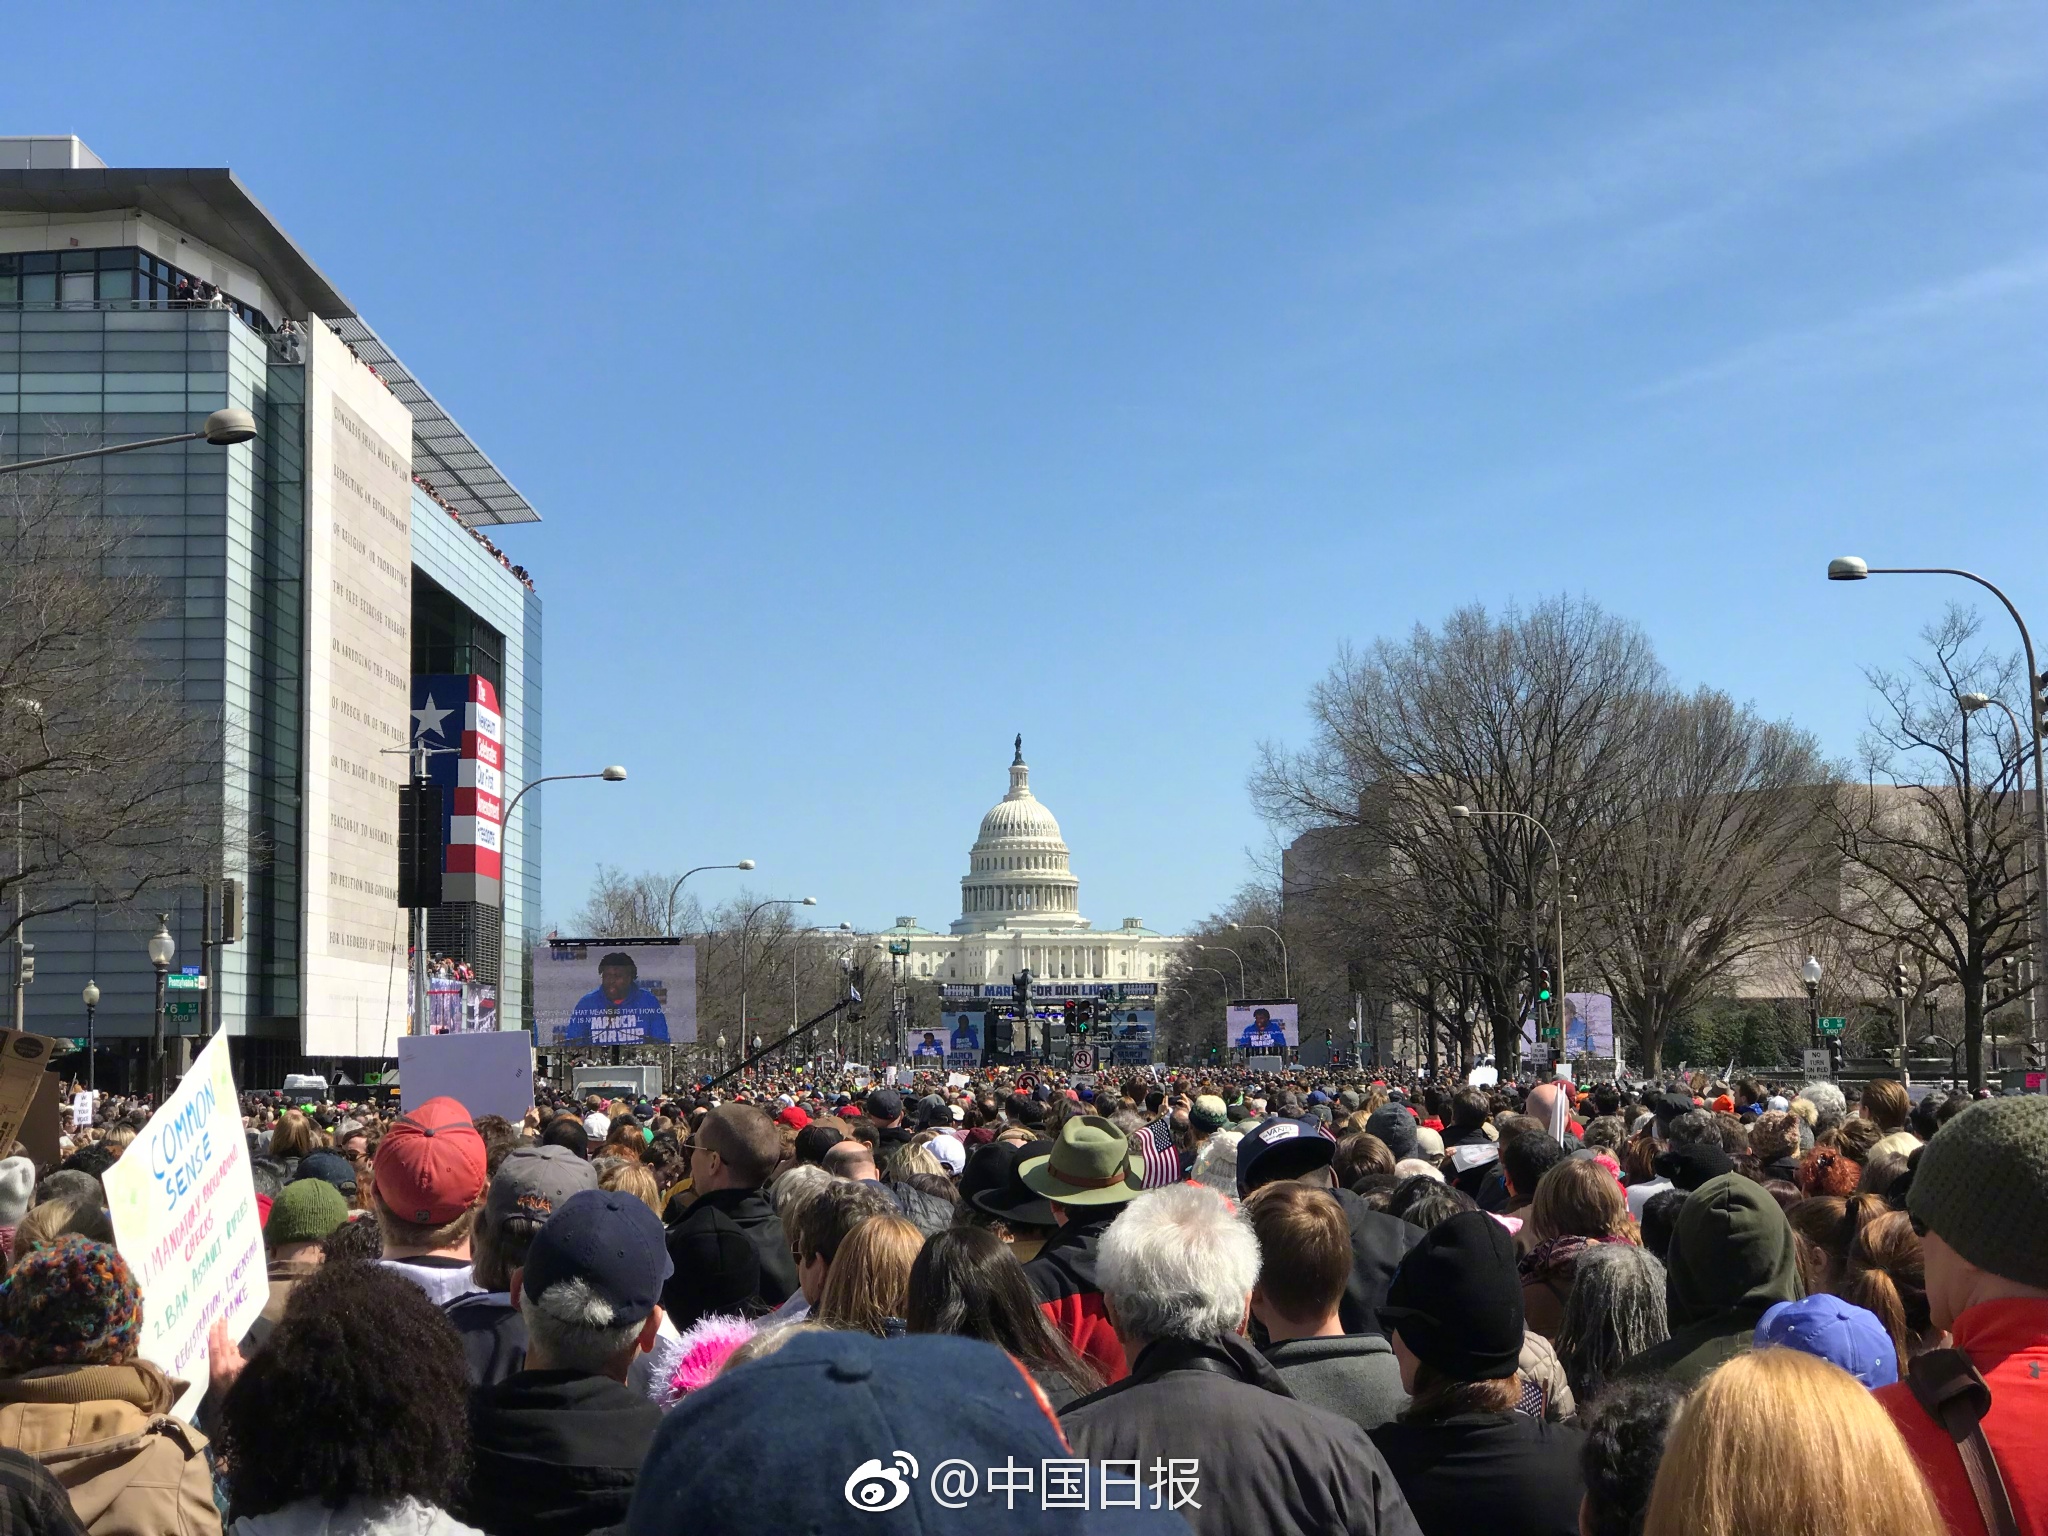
(358, 1517)
(1266, 1462)
(1732, 1259)
(1352, 1375)
(554, 1453)
(106, 1433)
(1502, 1473)
(1063, 1276)
(2008, 1343)
(730, 1255)
(1378, 1244)
(494, 1340)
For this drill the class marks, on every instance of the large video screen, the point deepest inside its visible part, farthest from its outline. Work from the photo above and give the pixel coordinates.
(1588, 1025)
(1257, 1026)
(956, 1043)
(1129, 1038)
(591, 992)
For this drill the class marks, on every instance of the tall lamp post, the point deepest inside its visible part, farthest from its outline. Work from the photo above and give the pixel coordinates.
(1466, 813)
(1286, 976)
(223, 429)
(1855, 568)
(162, 950)
(1810, 974)
(773, 901)
(1243, 987)
(668, 919)
(91, 998)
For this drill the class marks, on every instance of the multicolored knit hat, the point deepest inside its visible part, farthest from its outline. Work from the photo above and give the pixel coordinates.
(72, 1303)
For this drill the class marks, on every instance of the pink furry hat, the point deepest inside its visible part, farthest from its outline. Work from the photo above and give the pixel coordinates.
(707, 1345)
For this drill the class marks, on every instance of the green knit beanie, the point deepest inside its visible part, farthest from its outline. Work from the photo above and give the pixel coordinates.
(305, 1212)
(1982, 1187)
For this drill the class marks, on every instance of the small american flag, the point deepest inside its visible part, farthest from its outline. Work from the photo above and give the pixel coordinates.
(1162, 1158)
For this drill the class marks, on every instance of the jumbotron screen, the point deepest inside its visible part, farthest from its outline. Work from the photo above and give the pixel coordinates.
(1257, 1026)
(594, 992)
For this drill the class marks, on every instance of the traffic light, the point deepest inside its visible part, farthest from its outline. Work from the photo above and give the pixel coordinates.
(1835, 1056)
(1020, 987)
(1898, 978)
(25, 963)
(231, 911)
(2041, 705)
(999, 1030)
(1083, 1019)
(1543, 985)
(2037, 1055)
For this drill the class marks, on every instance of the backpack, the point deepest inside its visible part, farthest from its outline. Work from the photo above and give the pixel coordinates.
(1956, 1396)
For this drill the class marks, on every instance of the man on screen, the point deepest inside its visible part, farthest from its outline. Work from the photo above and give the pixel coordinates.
(929, 1046)
(1262, 1033)
(620, 1011)
(966, 1033)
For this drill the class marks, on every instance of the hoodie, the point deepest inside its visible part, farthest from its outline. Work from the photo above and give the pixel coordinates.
(1732, 1258)
(555, 1453)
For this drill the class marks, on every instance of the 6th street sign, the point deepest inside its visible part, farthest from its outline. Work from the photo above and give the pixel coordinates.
(1832, 1026)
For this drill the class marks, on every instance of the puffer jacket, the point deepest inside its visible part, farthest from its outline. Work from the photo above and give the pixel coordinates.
(106, 1433)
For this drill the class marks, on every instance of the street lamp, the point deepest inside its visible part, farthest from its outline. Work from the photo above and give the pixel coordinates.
(91, 997)
(795, 968)
(223, 429)
(1855, 568)
(612, 775)
(773, 901)
(1466, 813)
(162, 949)
(668, 920)
(1286, 977)
(1810, 974)
(721, 1050)
(1243, 988)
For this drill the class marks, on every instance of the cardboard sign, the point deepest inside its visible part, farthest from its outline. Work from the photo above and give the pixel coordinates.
(22, 1059)
(42, 1128)
(487, 1074)
(81, 1109)
(184, 1211)
(956, 1079)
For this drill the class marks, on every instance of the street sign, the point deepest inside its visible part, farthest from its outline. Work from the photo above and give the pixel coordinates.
(181, 1008)
(1537, 1055)
(1832, 1026)
(1084, 1059)
(1815, 1063)
(185, 983)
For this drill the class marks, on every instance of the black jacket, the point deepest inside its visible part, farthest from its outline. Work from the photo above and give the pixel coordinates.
(1378, 1243)
(1266, 1462)
(1503, 1473)
(730, 1255)
(555, 1453)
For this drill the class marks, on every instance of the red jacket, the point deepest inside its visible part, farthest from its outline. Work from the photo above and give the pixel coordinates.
(1063, 1275)
(2008, 1342)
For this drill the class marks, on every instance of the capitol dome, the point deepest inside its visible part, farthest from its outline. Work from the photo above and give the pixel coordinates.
(1017, 871)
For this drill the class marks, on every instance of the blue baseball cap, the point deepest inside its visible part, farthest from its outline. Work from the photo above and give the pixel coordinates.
(611, 1241)
(1838, 1332)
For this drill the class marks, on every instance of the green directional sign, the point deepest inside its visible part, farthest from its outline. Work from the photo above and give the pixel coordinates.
(181, 1008)
(185, 983)
(1832, 1026)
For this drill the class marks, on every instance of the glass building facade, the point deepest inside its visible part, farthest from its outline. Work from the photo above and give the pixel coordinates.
(111, 344)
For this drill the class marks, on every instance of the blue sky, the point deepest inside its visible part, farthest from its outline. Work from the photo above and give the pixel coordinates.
(896, 378)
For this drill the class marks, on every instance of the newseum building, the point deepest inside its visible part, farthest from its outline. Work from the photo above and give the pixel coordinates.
(313, 576)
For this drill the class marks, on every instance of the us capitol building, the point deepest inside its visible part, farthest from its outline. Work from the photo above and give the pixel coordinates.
(1020, 909)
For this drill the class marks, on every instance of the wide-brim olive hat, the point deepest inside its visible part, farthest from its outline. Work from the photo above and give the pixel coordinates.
(1091, 1164)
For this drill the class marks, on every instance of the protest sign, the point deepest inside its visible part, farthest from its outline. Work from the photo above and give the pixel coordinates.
(487, 1074)
(81, 1109)
(22, 1059)
(184, 1212)
(42, 1128)
(956, 1079)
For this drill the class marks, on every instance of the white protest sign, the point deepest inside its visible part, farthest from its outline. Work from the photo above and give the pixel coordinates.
(184, 1210)
(956, 1079)
(81, 1109)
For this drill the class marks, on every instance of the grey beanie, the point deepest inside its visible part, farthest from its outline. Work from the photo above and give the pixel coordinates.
(1982, 1187)
(17, 1184)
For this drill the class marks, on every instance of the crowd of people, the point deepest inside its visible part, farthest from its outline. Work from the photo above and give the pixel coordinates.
(475, 533)
(1009, 1300)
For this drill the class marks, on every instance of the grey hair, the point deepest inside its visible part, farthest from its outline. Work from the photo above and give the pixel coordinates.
(1695, 1126)
(1179, 1264)
(1829, 1107)
(1409, 1167)
(574, 1328)
(1615, 1309)
(1216, 1163)
(797, 1184)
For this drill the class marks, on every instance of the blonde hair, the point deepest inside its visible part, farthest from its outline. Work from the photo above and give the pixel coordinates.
(869, 1281)
(1780, 1443)
(631, 1178)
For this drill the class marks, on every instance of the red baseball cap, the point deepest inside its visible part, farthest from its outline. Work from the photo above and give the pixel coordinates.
(430, 1165)
(791, 1115)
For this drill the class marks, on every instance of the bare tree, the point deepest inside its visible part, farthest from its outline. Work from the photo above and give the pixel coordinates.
(1719, 838)
(1934, 845)
(110, 779)
(1537, 713)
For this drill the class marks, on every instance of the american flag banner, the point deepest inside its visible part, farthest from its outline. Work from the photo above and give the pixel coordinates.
(1162, 1158)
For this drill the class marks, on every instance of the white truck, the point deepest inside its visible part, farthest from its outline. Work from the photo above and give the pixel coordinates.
(635, 1081)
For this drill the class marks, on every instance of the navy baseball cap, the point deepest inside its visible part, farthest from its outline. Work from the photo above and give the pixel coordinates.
(1840, 1332)
(612, 1242)
(1278, 1148)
